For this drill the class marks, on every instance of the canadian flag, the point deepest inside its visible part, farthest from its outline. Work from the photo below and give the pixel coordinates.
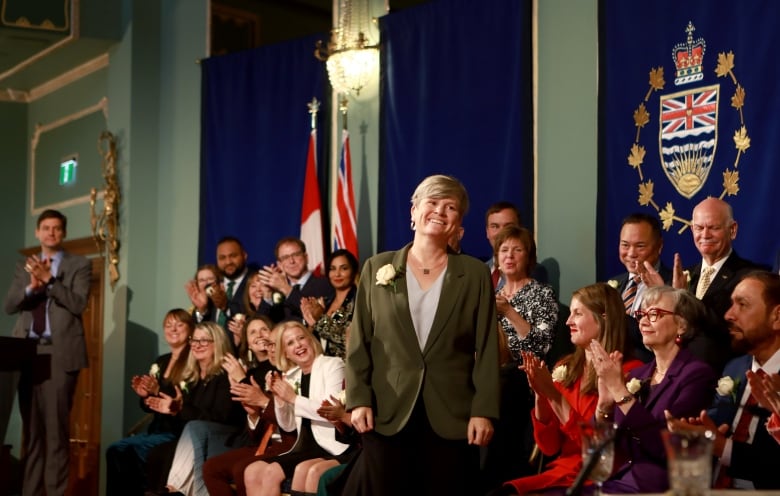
(311, 213)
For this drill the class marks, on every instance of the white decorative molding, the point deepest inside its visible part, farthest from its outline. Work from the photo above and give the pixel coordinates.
(101, 106)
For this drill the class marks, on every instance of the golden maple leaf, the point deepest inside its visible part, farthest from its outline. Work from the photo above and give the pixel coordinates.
(641, 116)
(738, 99)
(741, 139)
(725, 63)
(731, 182)
(656, 81)
(637, 156)
(667, 216)
(657, 78)
(646, 192)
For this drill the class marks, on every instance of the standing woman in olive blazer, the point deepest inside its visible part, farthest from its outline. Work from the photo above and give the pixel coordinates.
(422, 374)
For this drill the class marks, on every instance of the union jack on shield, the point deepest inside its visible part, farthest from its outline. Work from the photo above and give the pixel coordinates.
(688, 137)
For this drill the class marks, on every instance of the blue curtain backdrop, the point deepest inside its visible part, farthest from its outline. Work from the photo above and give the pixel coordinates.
(255, 137)
(456, 99)
(637, 38)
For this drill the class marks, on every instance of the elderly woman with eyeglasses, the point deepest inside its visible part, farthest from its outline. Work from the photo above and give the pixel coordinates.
(674, 381)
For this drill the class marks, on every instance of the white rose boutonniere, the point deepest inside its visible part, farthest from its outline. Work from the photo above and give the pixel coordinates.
(634, 385)
(559, 373)
(277, 298)
(154, 371)
(687, 274)
(613, 284)
(387, 275)
(342, 397)
(726, 387)
(183, 386)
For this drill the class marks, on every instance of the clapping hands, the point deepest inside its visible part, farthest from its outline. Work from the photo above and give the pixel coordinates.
(145, 385)
(312, 309)
(169, 405)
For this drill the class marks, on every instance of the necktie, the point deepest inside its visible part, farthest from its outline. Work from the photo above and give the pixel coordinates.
(741, 435)
(495, 276)
(39, 315)
(229, 292)
(704, 282)
(629, 294)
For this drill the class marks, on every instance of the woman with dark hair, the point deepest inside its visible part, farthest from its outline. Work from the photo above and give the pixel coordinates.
(125, 459)
(674, 381)
(568, 396)
(329, 319)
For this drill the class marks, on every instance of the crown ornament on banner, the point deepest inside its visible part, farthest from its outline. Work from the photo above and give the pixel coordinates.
(688, 58)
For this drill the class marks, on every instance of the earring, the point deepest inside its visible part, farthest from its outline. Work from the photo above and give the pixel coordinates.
(411, 225)
(678, 340)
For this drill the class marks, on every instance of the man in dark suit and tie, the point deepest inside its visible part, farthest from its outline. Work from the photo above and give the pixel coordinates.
(50, 291)
(226, 299)
(291, 279)
(746, 452)
(640, 251)
(713, 279)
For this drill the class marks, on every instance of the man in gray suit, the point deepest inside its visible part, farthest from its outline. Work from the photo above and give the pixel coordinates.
(50, 290)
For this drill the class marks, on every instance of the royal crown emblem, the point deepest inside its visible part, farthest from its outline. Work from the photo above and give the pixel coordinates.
(688, 58)
(688, 130)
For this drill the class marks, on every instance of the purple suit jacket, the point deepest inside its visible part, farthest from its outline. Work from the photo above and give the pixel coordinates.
(640, 458)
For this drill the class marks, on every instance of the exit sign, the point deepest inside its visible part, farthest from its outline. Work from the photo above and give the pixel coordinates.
(68, 171)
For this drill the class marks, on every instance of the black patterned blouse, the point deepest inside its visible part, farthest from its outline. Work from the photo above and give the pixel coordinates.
(537, 304)
(332, 328)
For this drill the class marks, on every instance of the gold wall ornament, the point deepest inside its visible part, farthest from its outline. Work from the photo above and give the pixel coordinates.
(688, 176)
(105, 225)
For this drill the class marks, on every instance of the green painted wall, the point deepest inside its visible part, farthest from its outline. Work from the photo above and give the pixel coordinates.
(152, 86)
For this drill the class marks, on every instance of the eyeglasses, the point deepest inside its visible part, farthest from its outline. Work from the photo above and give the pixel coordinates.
(296, 254)
(201, 342)
(652, 314)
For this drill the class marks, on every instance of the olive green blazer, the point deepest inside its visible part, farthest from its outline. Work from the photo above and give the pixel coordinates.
(457, 372)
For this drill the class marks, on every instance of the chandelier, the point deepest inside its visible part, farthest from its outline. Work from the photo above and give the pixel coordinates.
(350, 57)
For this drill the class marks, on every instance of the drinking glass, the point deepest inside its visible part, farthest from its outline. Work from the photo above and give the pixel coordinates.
(598, 440)
(689, 457)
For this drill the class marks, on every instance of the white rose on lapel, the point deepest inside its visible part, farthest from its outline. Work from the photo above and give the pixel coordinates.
(613, 284)
(559, 373)
(726, 387)
(154, 371)
(634, 385)
(387, 275)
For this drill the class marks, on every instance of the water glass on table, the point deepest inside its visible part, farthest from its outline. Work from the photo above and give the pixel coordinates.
(598, 440)
(689, 458)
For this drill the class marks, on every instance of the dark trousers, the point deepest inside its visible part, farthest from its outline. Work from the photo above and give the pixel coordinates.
(416, 460)
(45, 399)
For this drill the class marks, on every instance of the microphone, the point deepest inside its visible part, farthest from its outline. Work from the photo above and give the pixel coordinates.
(588, 465)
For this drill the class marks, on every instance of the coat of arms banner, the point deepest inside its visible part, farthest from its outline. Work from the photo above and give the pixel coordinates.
(689, 99)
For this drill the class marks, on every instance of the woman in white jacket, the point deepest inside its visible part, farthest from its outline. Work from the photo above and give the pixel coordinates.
(308, 379)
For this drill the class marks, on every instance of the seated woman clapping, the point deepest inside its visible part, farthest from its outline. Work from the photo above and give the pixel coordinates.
(309, 378)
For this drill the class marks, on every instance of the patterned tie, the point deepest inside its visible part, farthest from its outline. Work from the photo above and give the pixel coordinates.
(704, 282)
(629, 294)
(229, 292)
(741, 435)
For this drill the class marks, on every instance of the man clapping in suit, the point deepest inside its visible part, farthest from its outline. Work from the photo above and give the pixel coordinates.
(746, 451)
(290, 279)
(50, 291)
(640, 251)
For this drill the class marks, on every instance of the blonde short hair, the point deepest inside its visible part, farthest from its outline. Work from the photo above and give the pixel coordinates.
(441, 186)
